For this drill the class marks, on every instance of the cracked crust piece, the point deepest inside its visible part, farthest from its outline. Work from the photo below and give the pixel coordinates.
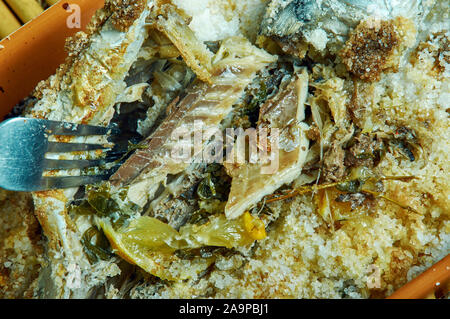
(125, 12)
(120, 15)
(195, 53)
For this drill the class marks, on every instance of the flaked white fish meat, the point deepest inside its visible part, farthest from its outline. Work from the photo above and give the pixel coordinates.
(252, 181)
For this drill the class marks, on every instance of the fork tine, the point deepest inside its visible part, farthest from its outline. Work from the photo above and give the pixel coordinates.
(64, 128)
(74, 147)
(70, 181)
(51, 164)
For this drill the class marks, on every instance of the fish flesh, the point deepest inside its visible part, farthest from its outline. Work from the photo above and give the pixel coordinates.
(251, 181)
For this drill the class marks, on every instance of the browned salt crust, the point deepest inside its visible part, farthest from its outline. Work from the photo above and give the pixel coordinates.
(125, 12)
(368, 51)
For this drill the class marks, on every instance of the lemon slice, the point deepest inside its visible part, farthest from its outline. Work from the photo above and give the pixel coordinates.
(155, 258)
(150, 244)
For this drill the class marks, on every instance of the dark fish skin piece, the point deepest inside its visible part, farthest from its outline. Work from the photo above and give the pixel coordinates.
(142, 158)
(305, 10)
(291, 18)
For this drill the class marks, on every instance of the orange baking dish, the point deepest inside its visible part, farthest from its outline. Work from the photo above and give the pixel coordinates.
(34, 52)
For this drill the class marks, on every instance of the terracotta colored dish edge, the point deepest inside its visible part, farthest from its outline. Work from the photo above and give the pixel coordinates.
(34, 51)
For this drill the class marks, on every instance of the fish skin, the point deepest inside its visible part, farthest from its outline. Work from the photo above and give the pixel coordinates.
(284, 21)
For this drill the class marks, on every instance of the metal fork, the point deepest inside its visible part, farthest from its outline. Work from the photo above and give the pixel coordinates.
(24, 143)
